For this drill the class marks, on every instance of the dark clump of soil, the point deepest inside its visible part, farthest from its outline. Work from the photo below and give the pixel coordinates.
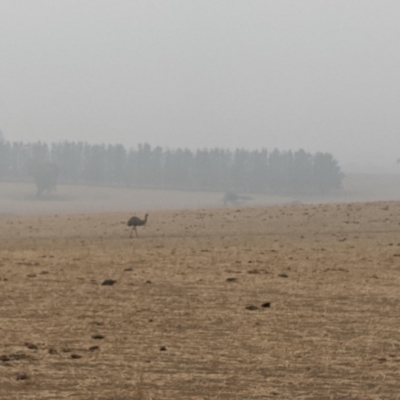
(22, 377)
(253, 271)
(97, 336)
(14, 357)
(108, 282)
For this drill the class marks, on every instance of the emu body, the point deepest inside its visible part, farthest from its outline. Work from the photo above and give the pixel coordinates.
(135, 221)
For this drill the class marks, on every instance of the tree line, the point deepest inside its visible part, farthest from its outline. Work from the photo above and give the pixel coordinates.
(258, 171)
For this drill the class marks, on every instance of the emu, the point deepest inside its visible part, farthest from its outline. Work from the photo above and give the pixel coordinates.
(135, 221)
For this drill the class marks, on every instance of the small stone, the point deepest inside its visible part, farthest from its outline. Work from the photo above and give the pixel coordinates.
(163, 348)
(251, 308)
(97, 336)
(31, 346)
(266, 305)
(75, 356)
(231, 279)
(108, 282)
(93, 348)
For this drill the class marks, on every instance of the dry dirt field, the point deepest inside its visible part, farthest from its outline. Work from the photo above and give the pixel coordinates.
(279, 302)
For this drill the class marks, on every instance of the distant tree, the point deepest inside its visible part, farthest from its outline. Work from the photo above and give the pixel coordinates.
(95, 164)
(4, 158)
(116, 164)
(275, 172)
(220, 166)
(258, 171)
(19, 155)
(69, 158)
(327, 174)
(302, 174)
(39, 151)
(45, 175)
(201, 167)
(143, 165)
(241, 171)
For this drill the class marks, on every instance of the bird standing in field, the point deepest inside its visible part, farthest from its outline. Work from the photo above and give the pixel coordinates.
(135, 221)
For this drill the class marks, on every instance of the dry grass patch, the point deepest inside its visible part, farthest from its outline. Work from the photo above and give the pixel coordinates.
(184, 317)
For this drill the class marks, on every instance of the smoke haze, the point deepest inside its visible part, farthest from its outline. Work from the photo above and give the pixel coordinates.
(323, 76)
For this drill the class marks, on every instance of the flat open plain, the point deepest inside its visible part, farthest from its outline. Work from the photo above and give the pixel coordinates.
(175, 324)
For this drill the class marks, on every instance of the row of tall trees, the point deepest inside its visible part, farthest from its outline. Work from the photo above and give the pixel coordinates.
(259, 171)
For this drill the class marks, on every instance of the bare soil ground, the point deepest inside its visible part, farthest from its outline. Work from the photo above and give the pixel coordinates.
(185, 317)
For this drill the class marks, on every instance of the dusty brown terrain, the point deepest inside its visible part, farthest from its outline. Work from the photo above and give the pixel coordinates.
(184, 319)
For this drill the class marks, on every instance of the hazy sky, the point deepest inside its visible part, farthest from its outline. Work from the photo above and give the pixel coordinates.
(312, 74)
